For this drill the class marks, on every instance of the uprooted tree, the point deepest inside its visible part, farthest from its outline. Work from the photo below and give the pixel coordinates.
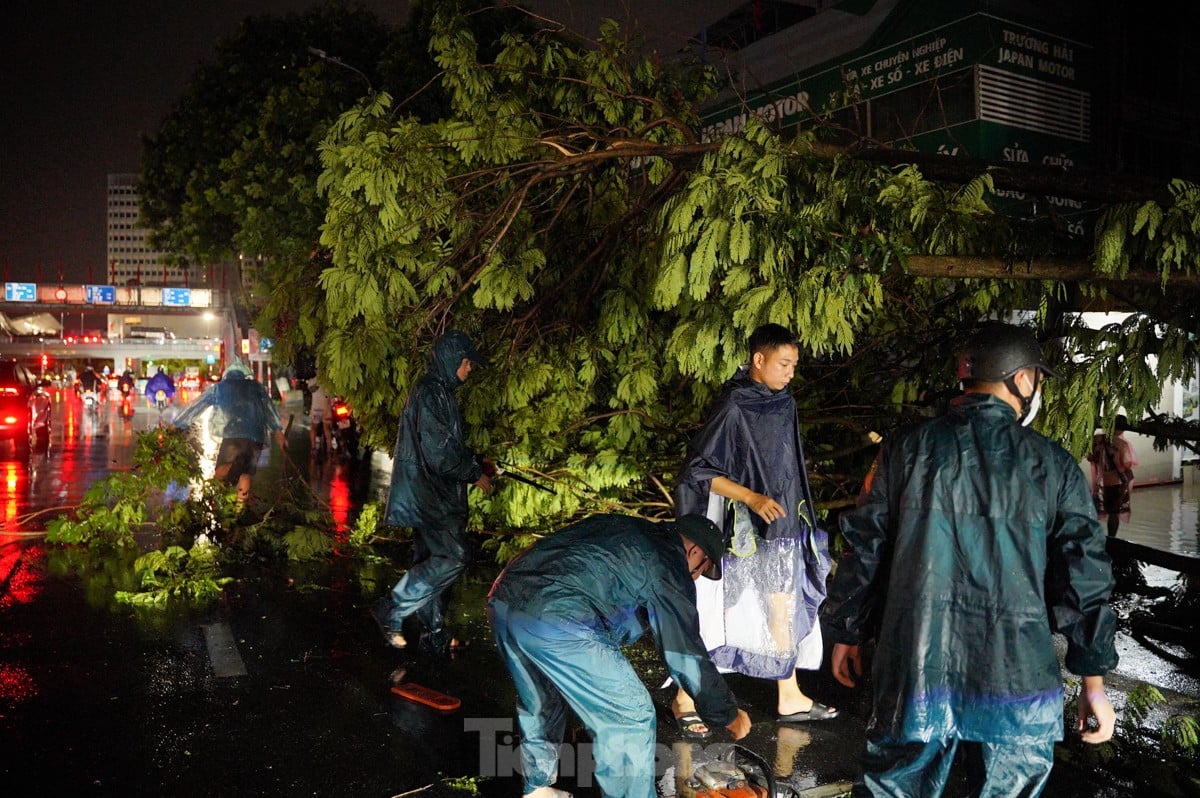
(563, 210)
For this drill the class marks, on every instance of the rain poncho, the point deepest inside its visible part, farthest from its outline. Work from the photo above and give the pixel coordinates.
(160, 382)
(432, 465)
(775, 571)
(974, 540)
(560, 613)
(242, 408)
(430, 474)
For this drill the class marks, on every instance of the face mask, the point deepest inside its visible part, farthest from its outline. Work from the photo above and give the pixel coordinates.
(1035, 404)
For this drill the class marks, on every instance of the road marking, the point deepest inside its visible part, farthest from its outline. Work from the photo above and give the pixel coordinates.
(222, 650)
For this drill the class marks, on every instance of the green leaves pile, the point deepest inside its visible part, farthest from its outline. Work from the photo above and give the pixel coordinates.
(187, 533)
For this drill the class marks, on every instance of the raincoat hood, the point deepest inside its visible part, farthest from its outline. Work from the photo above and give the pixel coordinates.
(236, 370)
(448, 354)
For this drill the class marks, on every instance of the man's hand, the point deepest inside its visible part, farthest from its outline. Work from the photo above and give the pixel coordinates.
(489, 466)
(1094, 704)
(484, 483)
(740, 726)
(846, 663)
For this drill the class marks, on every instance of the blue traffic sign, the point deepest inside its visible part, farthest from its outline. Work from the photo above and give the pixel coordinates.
(20, 292)
(100, 294)
(177, 297)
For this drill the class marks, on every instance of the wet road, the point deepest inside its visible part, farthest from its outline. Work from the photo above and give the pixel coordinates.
(280, 688)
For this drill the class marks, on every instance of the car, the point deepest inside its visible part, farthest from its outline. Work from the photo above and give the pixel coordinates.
(25, 406)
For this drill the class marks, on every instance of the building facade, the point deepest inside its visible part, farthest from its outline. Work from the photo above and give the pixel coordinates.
(131, 259)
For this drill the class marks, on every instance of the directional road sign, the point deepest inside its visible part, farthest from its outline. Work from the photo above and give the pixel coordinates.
(100, 294)
(177, 297)
(20, 292)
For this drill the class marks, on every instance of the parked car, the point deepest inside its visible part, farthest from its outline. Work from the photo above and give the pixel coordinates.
(25, 406)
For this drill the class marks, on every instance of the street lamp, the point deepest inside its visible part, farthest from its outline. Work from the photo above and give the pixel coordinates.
(324, 56)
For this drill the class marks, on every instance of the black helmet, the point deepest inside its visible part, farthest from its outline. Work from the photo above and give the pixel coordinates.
(998, 351)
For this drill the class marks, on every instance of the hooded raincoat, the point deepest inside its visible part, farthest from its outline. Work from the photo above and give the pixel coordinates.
(973, 542)
(432, 464)
(242, 408)
(752, 438)
(560, 614)
(431, 471)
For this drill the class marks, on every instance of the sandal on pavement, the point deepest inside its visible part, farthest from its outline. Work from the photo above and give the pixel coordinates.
(687, 727)
(818, 712)
(392, 637)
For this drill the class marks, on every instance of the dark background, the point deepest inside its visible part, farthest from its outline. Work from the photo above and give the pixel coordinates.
(81, 81)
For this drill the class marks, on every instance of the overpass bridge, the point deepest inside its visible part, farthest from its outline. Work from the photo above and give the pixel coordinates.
(219, 334)
(119, 350)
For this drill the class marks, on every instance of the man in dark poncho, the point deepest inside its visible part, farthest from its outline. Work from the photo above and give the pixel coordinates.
(560, 613)
(746, 471)
(431, 471)
(974, 540)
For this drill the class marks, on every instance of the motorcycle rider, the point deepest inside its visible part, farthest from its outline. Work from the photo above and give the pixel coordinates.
(89, 382)
(161, 381)
(126, 383)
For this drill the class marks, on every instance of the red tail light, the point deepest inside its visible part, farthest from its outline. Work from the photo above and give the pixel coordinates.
(341, 410)
(9, 391)
(10, 419)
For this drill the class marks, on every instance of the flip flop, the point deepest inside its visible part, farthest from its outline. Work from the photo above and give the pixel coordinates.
(689, 719)
(818, 712)
(392, 637)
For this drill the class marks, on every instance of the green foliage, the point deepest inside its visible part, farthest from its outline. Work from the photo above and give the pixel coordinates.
(112, 509)
(616, 292)
(307, 543)
(201, 530)
(366, 526)
(1181, 737)
(551, 197)
(115, 507)
(192, 575)
(1176, 744)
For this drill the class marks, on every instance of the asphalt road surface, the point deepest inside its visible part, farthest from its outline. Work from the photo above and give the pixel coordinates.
(280, 688)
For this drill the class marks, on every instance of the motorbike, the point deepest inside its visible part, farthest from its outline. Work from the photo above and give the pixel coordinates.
(126, 401)
(160, 399)
(91, 400)
(346, 433)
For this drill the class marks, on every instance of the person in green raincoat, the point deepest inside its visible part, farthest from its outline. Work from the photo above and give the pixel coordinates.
(561, 612)
(974, 540)
(431, 470)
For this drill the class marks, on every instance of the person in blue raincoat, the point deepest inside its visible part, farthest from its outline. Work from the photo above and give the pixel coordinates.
(560, 613)
(161, 381)
(244, 418)
(974, 540)
(431, 470)
(746, 471)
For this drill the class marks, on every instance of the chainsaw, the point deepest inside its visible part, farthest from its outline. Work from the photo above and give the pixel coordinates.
(736, 772)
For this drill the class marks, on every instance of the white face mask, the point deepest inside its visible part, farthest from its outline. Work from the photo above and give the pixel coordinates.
(1035, 404)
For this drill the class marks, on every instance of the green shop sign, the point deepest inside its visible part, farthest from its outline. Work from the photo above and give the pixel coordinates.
(978, 40)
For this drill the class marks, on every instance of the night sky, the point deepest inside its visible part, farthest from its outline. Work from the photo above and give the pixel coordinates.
(81, 81)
